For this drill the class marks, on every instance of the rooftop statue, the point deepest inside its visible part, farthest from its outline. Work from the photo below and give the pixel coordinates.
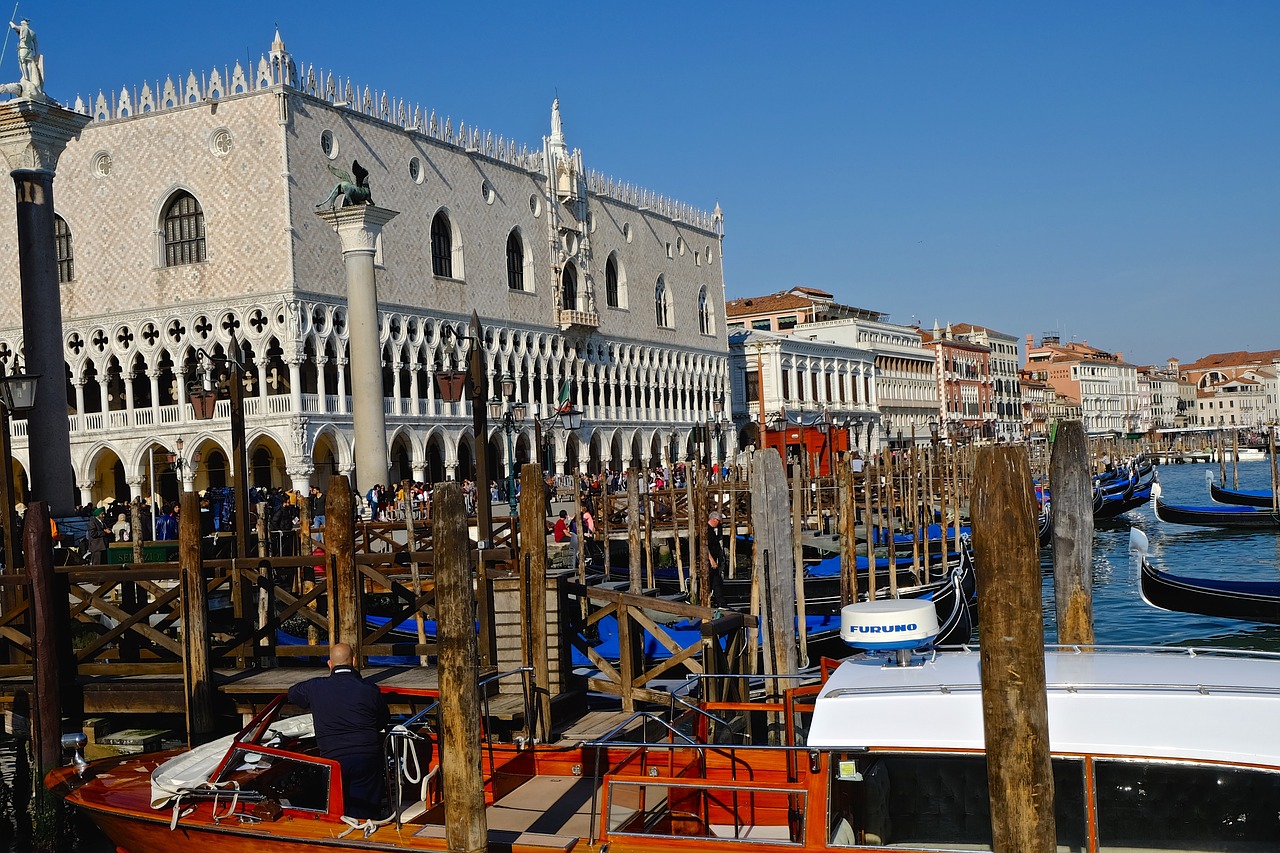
(352, 191)
(30, 62)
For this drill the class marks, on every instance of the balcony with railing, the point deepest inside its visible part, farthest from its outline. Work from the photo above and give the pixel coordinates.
(567, 318)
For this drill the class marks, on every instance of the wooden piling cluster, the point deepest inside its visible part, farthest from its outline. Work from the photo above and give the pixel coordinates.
(853, 514)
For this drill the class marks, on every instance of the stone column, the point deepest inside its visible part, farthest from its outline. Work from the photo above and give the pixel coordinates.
(154, 377)
(359, 227)
(295, 385)
(342, 384)
(300, 479)
(33, 135)
(321, 390)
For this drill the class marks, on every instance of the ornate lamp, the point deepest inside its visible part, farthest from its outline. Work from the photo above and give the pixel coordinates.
(570, 419)
(18, 392)
(204, 401)
(451, 383)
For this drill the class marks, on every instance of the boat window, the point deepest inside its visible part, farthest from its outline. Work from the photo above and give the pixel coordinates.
(935, 801)
(292, 781)
(1146, 806)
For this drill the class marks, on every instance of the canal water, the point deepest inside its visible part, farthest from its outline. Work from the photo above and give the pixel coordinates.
(1120, 615)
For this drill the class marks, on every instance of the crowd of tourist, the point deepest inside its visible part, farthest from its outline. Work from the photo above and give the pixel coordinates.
(111, 521)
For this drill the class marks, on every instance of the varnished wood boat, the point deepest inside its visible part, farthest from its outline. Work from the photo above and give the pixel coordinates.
(1152, 749)
(1222, 515)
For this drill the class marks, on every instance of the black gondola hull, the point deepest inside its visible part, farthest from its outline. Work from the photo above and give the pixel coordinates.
(1238, 498)
(1251, 601)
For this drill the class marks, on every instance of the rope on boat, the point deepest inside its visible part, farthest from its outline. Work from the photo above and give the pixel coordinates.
(235, 801)
(178, 812)
(217, 789)
(368, 825)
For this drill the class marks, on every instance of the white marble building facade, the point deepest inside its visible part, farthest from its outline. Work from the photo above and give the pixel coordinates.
(187, 213)
(771, 373)
(906, 378)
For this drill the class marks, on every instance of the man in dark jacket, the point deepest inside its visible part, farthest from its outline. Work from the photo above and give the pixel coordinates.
(349, 715)
(715, 556)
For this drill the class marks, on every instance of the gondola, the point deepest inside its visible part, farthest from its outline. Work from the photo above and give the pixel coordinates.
(1252, 601)
(1242, 497)
(1118, 492)
(954, 599)
(1223, 516)
(1044, 517)
(822, 582)
(932, 537)
(821, 577)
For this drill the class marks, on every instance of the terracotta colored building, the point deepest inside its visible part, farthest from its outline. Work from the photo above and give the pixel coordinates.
(965, 387)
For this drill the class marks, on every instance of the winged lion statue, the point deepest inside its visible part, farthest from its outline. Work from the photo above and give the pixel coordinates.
(352, 190)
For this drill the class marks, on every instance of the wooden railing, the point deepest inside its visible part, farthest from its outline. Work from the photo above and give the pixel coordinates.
(719, 648)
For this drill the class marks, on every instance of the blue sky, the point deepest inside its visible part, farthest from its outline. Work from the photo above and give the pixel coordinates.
(1105, 171)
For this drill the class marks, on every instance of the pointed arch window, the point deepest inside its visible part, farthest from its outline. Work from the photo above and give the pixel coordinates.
(515, 261)
(183, 231)
(441, 246)
(569, 288)
(65, 253)
(706, 323)
(611, 282)
(662, 304)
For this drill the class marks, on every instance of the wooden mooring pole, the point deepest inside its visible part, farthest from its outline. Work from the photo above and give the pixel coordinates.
(533, 593)
(343, 577)
(466, 827)
(197, 674)
(1014, 706)
(1071, 506)
(634, 555)
(55, 664)
(773, 562)
(135, 527)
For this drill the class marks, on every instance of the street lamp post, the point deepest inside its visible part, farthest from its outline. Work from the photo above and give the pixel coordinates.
(568, 417)
(204, 400)
(452, 383)
(18, 396)
(180, 463)
(824, 423)
(714, 432)
(509, 414)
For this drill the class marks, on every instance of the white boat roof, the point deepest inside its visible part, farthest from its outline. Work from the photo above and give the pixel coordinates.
(1193, 704)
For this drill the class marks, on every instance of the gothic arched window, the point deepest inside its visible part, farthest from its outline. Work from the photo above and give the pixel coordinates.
(441, 246)
(662, 304)
(183, 231)
(611, 282)
(706, 323)
(569, 288)
(515, 261)
(62, 245)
